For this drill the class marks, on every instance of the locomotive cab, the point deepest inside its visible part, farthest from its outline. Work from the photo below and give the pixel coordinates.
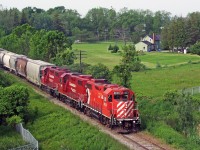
(121, 103)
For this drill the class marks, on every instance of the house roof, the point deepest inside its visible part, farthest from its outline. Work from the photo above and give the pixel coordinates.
(146, 42)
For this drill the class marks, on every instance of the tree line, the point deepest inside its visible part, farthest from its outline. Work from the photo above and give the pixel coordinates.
(97, 24)
(181, 32)
(102, 24)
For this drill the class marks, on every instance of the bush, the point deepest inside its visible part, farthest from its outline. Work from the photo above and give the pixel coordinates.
(12, 121)
(5, 80)
(113, 49)
(110, 47)
(195, 49)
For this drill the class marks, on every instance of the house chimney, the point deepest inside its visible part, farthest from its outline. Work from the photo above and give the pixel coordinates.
(153, 38)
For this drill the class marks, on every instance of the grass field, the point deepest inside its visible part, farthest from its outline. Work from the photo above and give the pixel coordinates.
(167, 59)
(98, 53)
(156, 82)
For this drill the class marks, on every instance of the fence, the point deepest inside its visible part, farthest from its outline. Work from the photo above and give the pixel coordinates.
(192, 91)
(27, 136)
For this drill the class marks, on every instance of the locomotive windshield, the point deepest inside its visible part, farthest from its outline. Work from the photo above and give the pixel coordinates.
(121, 96)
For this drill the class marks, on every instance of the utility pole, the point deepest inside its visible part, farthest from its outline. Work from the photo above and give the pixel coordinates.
(82, 54)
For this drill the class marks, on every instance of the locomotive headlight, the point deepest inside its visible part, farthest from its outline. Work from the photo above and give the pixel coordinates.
(133, 121)
(120, 122)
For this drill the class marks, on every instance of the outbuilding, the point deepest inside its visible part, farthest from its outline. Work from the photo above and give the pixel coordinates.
(144, 46)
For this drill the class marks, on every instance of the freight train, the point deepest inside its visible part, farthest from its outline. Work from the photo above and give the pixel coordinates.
(113, 105)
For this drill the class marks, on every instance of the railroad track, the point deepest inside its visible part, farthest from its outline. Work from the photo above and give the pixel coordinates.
(142, 143)
(132, 141)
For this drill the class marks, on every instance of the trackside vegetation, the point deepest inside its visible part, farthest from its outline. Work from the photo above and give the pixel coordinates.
(9, 138)
(56, 128)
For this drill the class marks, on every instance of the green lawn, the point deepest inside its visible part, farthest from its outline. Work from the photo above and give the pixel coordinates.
(156, 82)
(167, 59)
(98, 53)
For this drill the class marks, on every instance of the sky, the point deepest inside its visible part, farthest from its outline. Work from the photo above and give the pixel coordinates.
(175, 7)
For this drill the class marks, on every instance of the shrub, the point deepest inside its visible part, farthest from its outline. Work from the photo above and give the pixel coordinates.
(113, 49)
(110, 47)
(195, 49)
(12, 121)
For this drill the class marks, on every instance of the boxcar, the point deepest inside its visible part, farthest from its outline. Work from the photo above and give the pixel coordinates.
(21, 66)
(33, 70)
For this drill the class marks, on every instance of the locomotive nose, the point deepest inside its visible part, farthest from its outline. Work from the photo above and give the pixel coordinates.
(125, 110)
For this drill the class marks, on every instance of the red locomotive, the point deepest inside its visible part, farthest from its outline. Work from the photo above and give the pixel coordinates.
(112, 104)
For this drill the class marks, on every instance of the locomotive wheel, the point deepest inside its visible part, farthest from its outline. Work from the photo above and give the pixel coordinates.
(104, 120)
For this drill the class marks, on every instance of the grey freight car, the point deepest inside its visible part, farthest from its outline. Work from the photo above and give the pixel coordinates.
(6, 59)
(33, 70)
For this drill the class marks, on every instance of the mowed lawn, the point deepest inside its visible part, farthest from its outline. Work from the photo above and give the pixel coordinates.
(167, 59)
(98, 53)
(156, 82)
